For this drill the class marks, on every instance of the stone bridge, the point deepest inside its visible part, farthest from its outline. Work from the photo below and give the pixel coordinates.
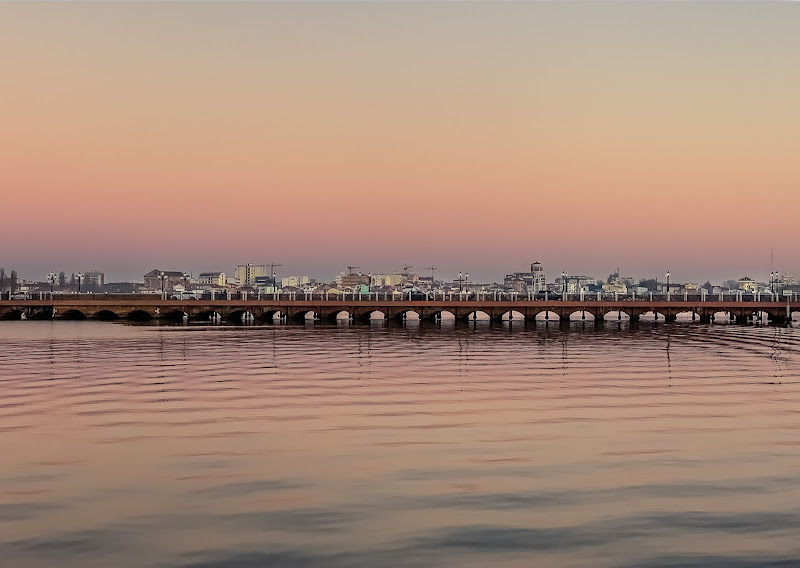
(141, 309)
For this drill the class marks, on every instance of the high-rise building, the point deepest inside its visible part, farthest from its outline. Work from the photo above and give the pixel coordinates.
(538, 281)
(246, 274)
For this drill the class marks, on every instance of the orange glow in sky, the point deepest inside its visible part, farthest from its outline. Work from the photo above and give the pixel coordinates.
(474, 136)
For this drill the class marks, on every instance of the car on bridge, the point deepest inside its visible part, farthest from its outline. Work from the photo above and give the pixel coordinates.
(547, 295)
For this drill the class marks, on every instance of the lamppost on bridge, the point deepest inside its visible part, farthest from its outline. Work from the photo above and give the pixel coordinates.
(667, 283)
(79, 278)
(461, 281)
(52, 279)
(163, 278)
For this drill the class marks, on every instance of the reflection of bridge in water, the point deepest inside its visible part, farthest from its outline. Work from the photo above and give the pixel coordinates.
(146, 307)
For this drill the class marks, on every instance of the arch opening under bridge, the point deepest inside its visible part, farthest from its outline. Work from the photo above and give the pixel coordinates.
(175, 315)
(73, 314)
(581, 315)
(688, 316)
(41, 315)
(513, 315)
(548, 316)
(105, 315)
(139, 316)
(616, 315)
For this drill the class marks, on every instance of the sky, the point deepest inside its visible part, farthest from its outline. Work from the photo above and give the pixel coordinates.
(473, 136)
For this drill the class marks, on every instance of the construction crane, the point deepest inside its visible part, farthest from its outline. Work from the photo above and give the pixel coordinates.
(351, 268)
(432, 269)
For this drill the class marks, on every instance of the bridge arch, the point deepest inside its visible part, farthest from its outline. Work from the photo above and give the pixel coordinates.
(270, 314)
(12, 314)
(139, 315)
(207, 315)
(303, 315)
(547, 316)
(406, 315)
(72, 314)
(688, 315)
(446, 315)
(436, 314)
(240, 316)
(41, 315)
(367, 314)
(512, 315)
(105, 315)
(581, 315)
(175, 315)
(478, 315)
(616, 315)
(723, 316)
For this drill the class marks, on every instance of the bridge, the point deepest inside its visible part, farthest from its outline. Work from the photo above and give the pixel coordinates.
(142, 307)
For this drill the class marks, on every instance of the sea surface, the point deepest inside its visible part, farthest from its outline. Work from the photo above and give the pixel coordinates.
(631, 445)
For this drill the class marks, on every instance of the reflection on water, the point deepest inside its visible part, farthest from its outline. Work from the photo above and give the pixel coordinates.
(312, 445)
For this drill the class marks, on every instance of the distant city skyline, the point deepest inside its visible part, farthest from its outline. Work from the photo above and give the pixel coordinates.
(472, 136)
(475, 273)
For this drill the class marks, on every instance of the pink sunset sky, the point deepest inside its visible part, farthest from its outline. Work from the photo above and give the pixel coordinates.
(469, 136)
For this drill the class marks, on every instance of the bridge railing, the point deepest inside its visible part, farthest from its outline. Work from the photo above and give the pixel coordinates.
(481, 296)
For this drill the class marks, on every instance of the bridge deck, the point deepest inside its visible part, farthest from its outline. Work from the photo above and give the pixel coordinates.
(149, 307)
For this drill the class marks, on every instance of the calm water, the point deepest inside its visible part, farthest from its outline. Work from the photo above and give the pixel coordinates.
(656, 445)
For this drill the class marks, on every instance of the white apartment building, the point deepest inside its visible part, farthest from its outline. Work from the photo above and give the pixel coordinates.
(246, 274)
(295, 281)
(212, 278)
(538, 280)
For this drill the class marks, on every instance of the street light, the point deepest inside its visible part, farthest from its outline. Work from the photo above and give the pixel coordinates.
(52, 279)
(460, 282)
(163, 280)
(79, 277)
(667, 283)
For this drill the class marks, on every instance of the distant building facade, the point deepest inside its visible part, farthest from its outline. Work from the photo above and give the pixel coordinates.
(165, 279)
(533, 281)
(388, 279)
(295, 281)
(212, 278)
(94, 279)
(352, 279)
(246, 274)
